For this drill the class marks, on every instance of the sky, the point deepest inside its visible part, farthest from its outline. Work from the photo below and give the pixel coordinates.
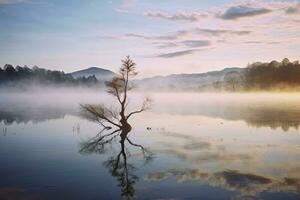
(162, 36)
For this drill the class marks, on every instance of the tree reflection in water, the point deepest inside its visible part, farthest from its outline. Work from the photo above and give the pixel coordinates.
(118, 164)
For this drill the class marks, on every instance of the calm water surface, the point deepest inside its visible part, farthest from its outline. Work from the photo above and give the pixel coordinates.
(199, 146)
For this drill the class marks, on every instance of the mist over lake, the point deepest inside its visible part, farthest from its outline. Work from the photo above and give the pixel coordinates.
(203, 144)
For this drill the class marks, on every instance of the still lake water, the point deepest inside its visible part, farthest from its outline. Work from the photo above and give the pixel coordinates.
(203, 146)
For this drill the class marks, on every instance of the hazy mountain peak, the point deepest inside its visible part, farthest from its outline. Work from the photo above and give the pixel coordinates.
(100, 73)
(185, 81)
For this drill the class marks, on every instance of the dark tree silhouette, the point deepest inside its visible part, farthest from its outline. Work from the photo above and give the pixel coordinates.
(22, 76)
(118, 87)
(117, 118)
(272, 75)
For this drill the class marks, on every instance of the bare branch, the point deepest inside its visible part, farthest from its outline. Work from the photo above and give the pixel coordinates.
(127, 70)
(115, 87)
(99, 113)
(145, 106)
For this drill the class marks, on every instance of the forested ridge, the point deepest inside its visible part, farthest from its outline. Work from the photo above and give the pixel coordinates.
(10, 75)
(272, 74)
(264, 76)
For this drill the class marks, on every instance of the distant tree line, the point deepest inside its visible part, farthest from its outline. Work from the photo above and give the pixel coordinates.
(273, 74)
(10, 75)
(263, 76)
(256, 76)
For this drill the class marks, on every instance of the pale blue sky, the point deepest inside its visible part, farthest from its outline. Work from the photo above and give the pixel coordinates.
(163, 36)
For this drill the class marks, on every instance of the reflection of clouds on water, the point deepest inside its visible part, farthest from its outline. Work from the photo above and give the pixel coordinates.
(246, 184)
(199, 150)
(256, 172)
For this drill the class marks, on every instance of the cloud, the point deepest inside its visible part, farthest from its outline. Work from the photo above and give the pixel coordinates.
(246, 8)
(293, 9)
(162, 37)
(179, 34)
(139, 36)
(176, 54)
(240, 11)
(196, 43)
(217, 32)
(260, 42)
(172, 39)
(253, 42)
(120, 10)
(171, 36)
(162, 45)
(180, 16)
(273, 43)
(179, 53)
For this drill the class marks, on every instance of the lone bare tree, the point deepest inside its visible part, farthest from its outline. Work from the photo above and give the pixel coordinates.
(118, 87)
(117, 117)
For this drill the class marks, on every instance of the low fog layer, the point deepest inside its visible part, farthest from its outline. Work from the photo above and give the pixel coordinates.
(257, 109)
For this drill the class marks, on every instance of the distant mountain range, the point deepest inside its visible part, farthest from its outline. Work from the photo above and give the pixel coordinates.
(192, 81)
(175, 81)
(99, 73)
(275, 75)
(96, 77)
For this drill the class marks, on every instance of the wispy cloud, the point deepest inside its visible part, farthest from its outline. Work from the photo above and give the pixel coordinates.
(217, 32)
(169, 36)
(163, 45)
(196, 43)
(181, 33)
(254, 42)
(180, 16)
(293, 9)
(236, 12)
(161, 37)
(179, 53)
(260, 42)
